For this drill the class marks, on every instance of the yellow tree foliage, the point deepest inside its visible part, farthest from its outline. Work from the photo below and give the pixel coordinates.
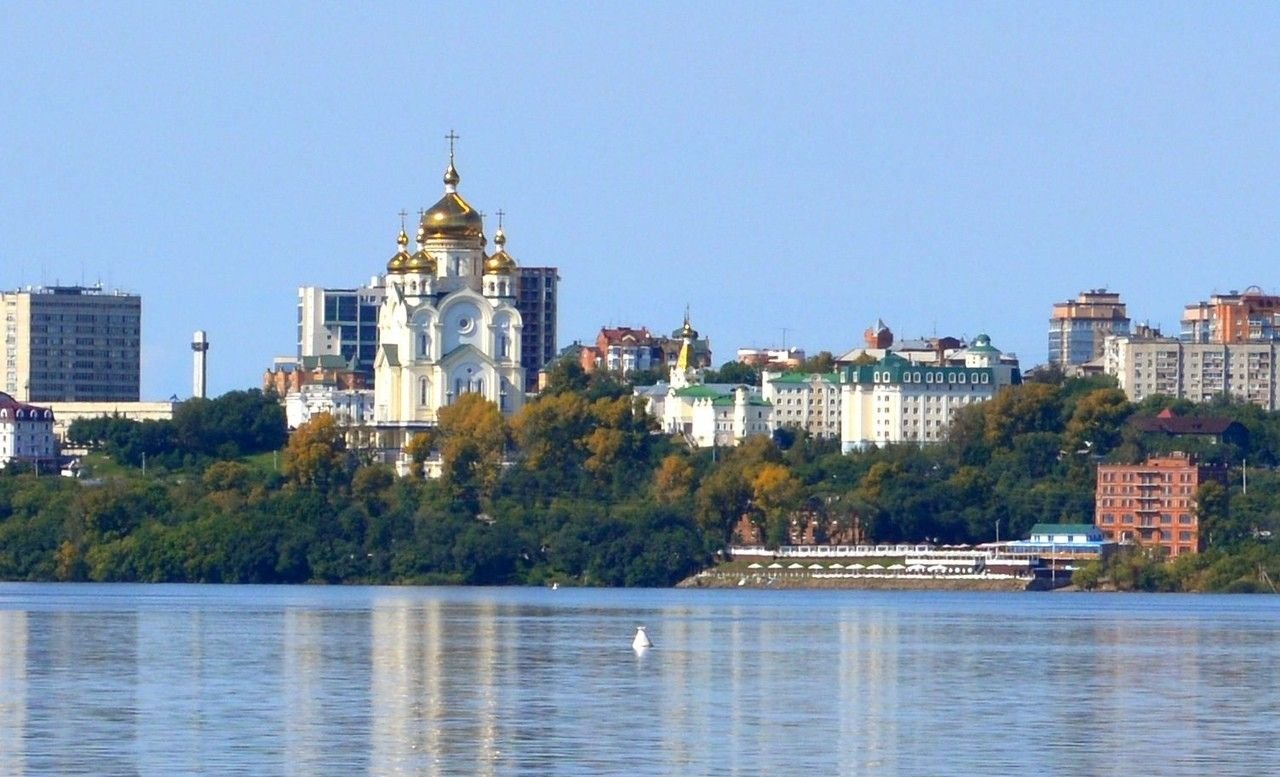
(774, 489)
(673, 479)
(472, 438)
(419, 449)
(314, 454)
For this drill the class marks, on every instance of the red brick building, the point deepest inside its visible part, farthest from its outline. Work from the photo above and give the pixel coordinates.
(1153, 503)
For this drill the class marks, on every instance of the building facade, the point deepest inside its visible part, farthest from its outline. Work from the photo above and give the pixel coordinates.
(448, 325)
(1078, 328)
(26, 433)
(1198, 372)
(349, 407)
(72, 344)
(1234, 317)
(894, 400)
(66, 413)
(804, 401)
(341, 322)
(779, 359)
(1154, 503)
(537, 291)
(705, 415)
(622, 350)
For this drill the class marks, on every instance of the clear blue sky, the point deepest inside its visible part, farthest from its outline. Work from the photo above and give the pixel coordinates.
(948, 167)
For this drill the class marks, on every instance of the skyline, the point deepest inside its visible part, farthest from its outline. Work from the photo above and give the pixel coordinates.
(787, 174)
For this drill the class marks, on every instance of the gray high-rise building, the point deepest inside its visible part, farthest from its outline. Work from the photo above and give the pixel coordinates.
(536, 292)
(72, 344)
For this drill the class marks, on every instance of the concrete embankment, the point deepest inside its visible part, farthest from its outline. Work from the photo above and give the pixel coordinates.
(796, 580)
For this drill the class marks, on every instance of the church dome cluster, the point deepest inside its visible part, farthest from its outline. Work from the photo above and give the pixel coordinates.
(451, 219)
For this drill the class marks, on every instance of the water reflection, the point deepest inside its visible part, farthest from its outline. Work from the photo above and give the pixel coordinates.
(165, 680)
(13, 691)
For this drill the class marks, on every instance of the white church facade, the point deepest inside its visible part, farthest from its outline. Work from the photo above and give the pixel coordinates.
(448, 325)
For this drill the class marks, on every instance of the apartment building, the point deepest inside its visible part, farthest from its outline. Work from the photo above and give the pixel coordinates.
(71, 344)
(1153, 503)
(804, 401)
(1196, 371)
(1078, 328)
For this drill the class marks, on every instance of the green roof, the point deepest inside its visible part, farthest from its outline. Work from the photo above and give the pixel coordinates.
(805, 377)
(1064, 528)
(324, 361)
(729, 399)
(891, 368)
(698, 392)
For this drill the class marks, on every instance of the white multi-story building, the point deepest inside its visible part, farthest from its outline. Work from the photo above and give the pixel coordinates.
(448, 325)
(26, 432)
(1196, 371)
(894, 400)
(349, 407)
(810, 402)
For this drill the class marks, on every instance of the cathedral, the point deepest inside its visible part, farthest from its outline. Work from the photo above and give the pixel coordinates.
(448, 325)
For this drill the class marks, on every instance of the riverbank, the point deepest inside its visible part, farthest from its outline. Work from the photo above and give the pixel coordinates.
(714, 579)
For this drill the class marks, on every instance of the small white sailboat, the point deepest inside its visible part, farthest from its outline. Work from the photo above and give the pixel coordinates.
(641, 641)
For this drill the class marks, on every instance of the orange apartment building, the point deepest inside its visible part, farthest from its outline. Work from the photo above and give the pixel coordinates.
(1234, 317)
(1153, 503)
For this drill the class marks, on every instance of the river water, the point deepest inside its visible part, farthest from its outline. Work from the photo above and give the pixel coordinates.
(172, 680)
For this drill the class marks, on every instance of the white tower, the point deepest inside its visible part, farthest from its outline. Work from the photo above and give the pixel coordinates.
(199, 378)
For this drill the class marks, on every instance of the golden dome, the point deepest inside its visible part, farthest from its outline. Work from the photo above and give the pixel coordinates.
(421, 262)
(501, 262)
(451, 217)
(398, 262)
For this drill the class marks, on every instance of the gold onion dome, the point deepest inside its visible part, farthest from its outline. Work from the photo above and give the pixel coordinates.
(421, 262)
(452, 216)
(400, 261)
(501, 262)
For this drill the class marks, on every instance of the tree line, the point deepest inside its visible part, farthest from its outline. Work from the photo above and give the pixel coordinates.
(578, 488)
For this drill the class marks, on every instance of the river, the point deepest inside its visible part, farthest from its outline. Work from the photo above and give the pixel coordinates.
(170, 680)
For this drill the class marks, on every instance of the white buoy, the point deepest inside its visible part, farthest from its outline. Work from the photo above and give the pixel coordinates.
(641, 642)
